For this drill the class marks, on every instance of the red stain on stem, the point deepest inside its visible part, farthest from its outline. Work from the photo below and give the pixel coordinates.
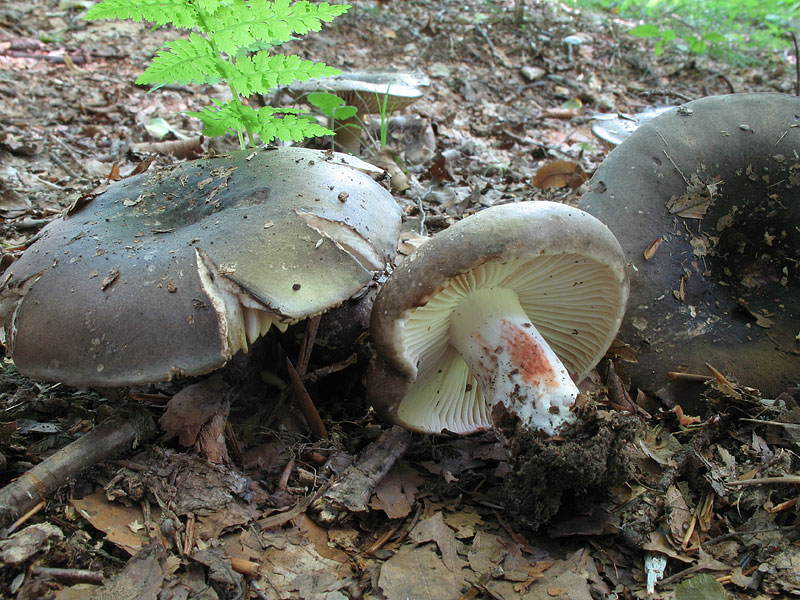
(528, 356)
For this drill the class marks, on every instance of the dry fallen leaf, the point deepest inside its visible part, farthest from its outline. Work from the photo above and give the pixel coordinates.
(559, 174)
(652, 247)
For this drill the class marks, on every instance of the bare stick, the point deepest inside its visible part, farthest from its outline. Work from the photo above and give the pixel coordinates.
(71, 575)
(796, 65)
(358, 482)
(306, 404)
(128, 428)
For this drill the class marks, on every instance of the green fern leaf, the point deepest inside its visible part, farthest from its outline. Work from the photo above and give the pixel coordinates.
(241, 24)
(183, 61)
(208, 7)
(219, 119)
(263, 71)
(290, 127)
(177, 12)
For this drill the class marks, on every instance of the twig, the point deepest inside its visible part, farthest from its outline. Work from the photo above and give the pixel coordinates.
(767, 480)
(777, 423)
(298, 509)
(305, 403)
(70, 575)
(312, 326)
(677, 168)
(796, 64)
(354, 489)
(129, 427)
(15, 525)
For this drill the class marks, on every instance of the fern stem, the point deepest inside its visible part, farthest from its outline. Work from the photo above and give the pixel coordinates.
(236, 98)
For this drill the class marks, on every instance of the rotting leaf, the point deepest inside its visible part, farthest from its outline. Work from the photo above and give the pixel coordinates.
(652, 248)
(559, 174)
(396, 491)
(438, 170)
(694, 203)
(761, 317)
(189, 410)
(110, 278)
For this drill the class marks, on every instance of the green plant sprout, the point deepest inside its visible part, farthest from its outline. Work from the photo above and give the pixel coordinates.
(333, 107)
(230, 41)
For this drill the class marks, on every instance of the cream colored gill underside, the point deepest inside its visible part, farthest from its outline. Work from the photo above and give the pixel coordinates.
(568, 298)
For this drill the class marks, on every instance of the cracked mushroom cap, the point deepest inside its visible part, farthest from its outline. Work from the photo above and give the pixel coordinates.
(171, 273)
(366, 90)
(472, 318)
(709, 191)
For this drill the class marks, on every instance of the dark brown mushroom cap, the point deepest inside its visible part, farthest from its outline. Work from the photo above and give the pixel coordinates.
(367, 90)
(738, 261)
(147, 280)
(565, 266)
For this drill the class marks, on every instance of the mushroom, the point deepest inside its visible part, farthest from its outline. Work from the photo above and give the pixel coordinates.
(172, 273)
(370, 92)
(503, 310)
(704, 201)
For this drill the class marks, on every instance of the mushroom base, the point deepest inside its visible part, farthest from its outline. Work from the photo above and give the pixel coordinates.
(511, 360)
(547, 480)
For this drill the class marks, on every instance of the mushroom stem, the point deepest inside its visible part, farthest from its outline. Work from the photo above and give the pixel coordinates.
(512, 362)
(348, 135)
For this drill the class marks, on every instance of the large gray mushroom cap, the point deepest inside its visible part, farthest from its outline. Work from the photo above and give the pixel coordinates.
(715, 183)
(173, 272)
(565, 269)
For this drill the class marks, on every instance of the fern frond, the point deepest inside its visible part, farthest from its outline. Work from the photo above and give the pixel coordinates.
(267, 122)
(177, 12)
(219, 118)
(293, 127)
(263, 71)
(209, 7)
(239, 24)
(183, 61)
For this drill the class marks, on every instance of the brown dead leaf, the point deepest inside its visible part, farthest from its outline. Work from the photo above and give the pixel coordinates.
(191, 408)
(761, 317)
(419, 573)
(434, 529)
(652, 248)
(559, 174)
(123, 525)
(678, 515)
(694, 203)
(438, 170)
(110, 278)
(142, 577)
(623, 351)
(396, 492)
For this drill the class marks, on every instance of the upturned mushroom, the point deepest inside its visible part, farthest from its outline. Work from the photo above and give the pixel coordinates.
(704, 201)
(503, 311)
(370, 92)
(172, 273)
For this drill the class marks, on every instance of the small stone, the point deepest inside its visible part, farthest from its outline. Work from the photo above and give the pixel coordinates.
(531, 74)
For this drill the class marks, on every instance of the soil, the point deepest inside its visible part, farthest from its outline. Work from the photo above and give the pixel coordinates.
(234, 499)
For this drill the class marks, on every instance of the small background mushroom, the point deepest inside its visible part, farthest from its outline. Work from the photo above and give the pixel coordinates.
(171, 273)
(704, 200)
(370, 92)
(567, 276)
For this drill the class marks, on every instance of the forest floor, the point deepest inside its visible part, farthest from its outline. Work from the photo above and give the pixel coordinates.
(261, 514)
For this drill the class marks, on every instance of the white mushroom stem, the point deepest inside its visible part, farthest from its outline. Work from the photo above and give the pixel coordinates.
(511, 360)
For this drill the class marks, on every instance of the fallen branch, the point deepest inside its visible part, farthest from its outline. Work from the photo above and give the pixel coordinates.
(125, 430)
(354, 489)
